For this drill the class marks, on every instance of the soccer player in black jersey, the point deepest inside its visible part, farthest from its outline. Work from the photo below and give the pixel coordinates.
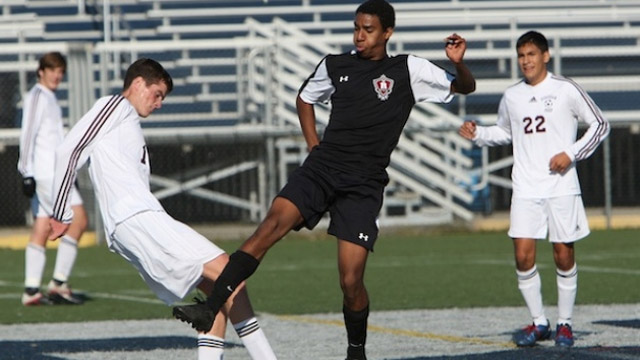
(371, 94)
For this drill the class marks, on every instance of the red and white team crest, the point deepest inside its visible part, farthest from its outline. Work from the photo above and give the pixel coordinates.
(383, 87)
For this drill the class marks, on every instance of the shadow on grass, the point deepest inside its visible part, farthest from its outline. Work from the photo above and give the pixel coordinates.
(632, 323)
(546, 353)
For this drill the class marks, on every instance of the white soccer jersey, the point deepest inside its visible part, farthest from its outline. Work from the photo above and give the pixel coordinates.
(110, 137)
(542, 121)
(42, 131)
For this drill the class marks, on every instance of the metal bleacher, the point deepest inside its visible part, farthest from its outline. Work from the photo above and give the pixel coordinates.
(237, 66)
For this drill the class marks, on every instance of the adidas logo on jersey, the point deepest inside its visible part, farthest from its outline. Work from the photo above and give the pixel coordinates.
(533, 100)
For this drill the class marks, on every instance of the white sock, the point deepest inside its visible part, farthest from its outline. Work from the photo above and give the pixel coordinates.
(529, 284)
(210, 347)
(254, 339)
(35, 260)
(567, 289)
(65, 258)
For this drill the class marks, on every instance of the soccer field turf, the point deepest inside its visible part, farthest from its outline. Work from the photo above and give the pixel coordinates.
(410, 270)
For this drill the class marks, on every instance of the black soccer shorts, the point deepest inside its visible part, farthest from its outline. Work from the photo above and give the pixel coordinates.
(353, 201)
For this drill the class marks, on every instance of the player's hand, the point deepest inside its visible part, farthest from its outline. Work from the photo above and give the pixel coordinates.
(57, 229)
(559, 163)
(28, 186)
(468, 130)
(455, 46)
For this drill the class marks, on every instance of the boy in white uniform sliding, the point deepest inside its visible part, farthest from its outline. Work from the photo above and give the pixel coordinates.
(171, 257)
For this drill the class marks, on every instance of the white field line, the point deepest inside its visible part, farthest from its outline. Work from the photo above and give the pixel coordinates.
(586, 268)
(132, 298)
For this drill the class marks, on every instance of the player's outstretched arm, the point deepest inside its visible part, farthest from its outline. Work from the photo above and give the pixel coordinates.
(455, 48)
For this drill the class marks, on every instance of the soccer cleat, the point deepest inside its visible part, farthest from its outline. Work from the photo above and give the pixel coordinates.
(61, 294)
(35, 299)
(564, 335)
(531, 334)
(199, 315)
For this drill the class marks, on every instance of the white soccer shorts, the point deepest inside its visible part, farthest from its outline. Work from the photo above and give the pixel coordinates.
(168, 254)
(563, 217)
(44, 196)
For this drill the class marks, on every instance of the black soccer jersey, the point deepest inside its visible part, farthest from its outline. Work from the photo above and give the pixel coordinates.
(371, 101)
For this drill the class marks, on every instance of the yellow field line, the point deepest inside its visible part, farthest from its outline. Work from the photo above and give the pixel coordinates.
(19, 241)
(409, 333)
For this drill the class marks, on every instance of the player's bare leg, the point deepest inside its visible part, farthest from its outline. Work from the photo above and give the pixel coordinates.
(39, 231)
(281, 218)
(211, 343)
(564, 255)
(58, 289)
(352, 259)
(525, 253)
(35, 260)
(79, 224)
(530, 286)
(238, 309)
(567, 282)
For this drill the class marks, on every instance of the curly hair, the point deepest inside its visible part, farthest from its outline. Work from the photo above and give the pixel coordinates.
(382, 9)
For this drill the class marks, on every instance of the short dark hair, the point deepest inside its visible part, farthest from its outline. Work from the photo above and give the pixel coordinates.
(382, 9)
(52, 60)
(535, 38)
(151, 72)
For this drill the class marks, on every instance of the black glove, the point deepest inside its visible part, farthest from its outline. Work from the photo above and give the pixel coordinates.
(28, 186)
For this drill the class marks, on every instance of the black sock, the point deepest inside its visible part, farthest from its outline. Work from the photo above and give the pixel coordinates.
(356, 324)
(58, 282)
(241, 265)
(31, 290)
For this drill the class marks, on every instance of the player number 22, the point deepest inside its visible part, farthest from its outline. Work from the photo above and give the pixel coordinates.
(534, 125)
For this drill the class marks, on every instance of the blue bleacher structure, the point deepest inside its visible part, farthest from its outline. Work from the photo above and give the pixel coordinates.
(237, 66)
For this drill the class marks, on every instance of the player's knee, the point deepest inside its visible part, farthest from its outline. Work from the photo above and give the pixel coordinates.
(351, 284)
(564, 262)
(525, 261)
(80, 221)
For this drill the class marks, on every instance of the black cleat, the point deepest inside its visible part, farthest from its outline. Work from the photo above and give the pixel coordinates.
(355, 353)
(62, 294)
(199, 315)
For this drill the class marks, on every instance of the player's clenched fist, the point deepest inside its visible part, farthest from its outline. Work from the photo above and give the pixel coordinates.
(455, 47)
(468, 130)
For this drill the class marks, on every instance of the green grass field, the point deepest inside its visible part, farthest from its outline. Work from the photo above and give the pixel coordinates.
(408, 270)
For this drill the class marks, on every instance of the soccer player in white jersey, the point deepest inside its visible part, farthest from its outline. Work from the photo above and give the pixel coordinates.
(371, 94)
(42, 131)
(539, 116)
(171, 257)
